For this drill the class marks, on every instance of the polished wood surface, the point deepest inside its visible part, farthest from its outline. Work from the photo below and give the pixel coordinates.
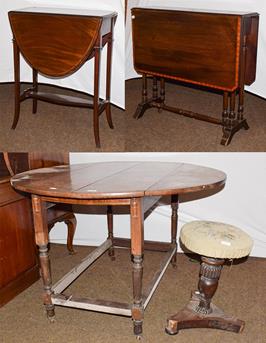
(138, 185)
(200, 312)
(54, 43)
(213, 49)
(197, 47)
(118, 180)
(57, 42)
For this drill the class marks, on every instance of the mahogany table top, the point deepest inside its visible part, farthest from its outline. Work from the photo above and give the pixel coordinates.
(111, 180)
(63, 39)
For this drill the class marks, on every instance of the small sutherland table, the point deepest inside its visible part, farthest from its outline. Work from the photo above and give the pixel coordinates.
(138, 185)
(213, 49)
(56, 42)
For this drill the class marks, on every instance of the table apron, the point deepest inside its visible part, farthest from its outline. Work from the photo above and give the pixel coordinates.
(148, 201)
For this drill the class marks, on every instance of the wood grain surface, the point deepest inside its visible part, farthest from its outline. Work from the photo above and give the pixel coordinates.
(196, 47)
(118, 180)
(57, 44)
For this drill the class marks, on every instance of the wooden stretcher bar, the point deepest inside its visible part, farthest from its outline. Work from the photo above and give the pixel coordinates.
(68, 278)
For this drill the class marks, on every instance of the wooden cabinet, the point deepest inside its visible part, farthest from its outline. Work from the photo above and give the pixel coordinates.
(18, 259)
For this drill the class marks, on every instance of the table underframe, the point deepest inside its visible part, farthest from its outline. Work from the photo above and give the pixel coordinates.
(232, 121)
(139, 208)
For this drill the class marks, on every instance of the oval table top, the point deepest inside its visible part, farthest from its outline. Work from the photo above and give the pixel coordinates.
(63, 39)
(107, 180)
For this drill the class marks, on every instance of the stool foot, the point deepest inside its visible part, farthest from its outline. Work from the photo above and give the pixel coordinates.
(188, 318)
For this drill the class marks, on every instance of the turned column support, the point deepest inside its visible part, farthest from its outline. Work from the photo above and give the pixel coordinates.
(200, 312)
(174, 221)
(137, 245)
(110, 225)
(210, 271)
(41, 238)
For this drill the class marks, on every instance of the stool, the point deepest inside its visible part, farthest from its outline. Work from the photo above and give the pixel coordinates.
(215, 242)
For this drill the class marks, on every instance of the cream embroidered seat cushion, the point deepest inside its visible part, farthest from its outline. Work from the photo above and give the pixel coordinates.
(215, 239)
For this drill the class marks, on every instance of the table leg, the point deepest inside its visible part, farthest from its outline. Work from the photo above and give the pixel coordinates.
(108, 80)
(162, 90)
(174, 220)
(145, 103)
(137, 243)
(232, 113)
(17, 83)
(154, 89)
(96, 94)
(225, 109)
(35, 89)
(240, 112)
(110, 226)
(41, 238)
(229, 127)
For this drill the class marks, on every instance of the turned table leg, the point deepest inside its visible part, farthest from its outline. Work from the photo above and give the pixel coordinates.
(174, 220)
(225, 109)
(145, 103)
(240, 111)
(162, 93)
(154, 89)
(232, 122)
(137, 244)
(110, 226)
(41, 238)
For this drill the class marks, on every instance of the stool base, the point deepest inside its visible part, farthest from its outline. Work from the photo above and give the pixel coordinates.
(188, 318)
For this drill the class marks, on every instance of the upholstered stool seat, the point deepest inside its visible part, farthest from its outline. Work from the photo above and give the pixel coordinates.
(215, 242)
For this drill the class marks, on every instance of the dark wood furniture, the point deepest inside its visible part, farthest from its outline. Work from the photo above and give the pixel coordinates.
(212, 49)
(19, 266)
(200, 312)
(56, 43)
(138, 185)
(215, 243)
(18, 259)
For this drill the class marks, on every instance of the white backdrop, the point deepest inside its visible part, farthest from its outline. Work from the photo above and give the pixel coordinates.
(83, 79)
(242, 202)
(259, 86)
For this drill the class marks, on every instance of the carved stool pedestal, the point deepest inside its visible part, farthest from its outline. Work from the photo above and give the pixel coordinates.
(211, 239)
